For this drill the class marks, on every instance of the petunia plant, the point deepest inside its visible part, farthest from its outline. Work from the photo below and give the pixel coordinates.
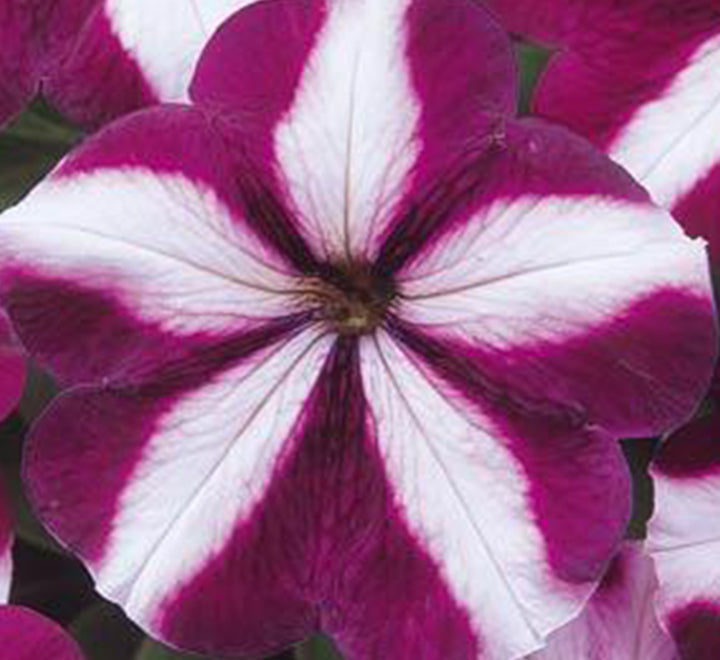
(346, 346)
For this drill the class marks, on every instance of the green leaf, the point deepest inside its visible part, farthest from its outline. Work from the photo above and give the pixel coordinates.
(105, 633)
(152, 650)
(30, 147)
(532, 60)
(317, 648)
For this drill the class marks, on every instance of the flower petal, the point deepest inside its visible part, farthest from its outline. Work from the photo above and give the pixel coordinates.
(519, 509)
(12, 369)
(327, 549)
(617, 623)
(203, 434)
(684, 536)
(548, 21)
(26, 635)
(136, 233)
(131, 54)
(640, 79)
(18, 75)
(352, 104)
(592, 300)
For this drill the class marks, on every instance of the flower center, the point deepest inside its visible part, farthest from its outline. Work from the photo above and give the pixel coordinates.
(351, 299)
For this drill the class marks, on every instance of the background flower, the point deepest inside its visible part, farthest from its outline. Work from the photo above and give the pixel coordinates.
(684, 533)
(641, 80)
(619, 621)
(24, 634)
(96, 60)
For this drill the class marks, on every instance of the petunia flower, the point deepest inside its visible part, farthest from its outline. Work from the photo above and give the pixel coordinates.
(98, 59)
(346, 346)
(640, 79)
(25, 634)
(684, 534)
(619, 621)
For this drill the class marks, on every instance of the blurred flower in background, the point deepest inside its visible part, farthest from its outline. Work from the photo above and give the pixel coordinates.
(96, 60)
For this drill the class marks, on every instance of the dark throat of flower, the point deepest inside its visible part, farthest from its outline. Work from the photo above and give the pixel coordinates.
(350, 298)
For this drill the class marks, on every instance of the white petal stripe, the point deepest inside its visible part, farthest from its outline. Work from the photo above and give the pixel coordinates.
(347, 143)
(684, 540)
(538, 269)
(166, 246)
(464, 498)
(166, 37)
(672, 142)
(5, 573)
(214, 452)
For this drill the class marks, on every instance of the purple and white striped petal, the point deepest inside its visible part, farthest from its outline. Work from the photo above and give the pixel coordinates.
(641, 79)
(130, 54)
(618, 622)
(26, 635)
(520, 512)
(329, 548)
(565, 285)
(354, 104)
(141, 220)
(133, 276)
(684, 536)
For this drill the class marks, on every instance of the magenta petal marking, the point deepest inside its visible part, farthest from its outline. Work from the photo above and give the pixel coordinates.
(26, 635)
(579, 483)
(463, 90)
(693, 451)
(698, 211)
(696, 628)
(272, 39)
(642, 395)
(336, 559)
